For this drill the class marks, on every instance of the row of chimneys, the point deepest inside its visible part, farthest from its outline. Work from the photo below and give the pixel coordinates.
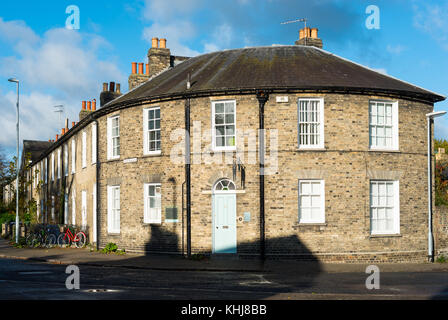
(111, 87)
(64, 130)
(91, 105)
(308, 33)
(155, 43)
(140, 68)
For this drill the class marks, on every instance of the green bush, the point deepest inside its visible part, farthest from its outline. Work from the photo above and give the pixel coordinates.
(441, 259)
(112, 248)
(7, 217)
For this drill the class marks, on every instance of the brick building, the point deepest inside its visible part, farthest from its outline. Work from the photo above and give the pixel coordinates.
(341, 176)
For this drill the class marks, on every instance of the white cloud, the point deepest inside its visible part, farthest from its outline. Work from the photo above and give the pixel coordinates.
(432, 19)
(395, 49)
(60, 67)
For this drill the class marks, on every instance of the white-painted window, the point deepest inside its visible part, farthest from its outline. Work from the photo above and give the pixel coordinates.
(73, 207)
(73, 156)
(113, 137)
(83, 209)
(84, 149)
(45, 170)
(113, 209)
(42, 171)
(59, 164)
(151, 131)
(52, 208)
(311, 123)
(311, 201)
(66, 160)
(66, 208)
(384, 207)
(383, 125)
(94, 143)
(224, 125)
(52, 166)
(153, 199)
(94, 218)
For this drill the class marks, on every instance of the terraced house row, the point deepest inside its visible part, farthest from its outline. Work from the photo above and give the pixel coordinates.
(339, 174)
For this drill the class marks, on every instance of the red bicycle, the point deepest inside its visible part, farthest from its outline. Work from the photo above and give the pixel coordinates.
(67, 238)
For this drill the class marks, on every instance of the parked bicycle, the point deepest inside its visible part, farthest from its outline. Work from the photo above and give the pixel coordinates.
(42, 236)
(66, 239)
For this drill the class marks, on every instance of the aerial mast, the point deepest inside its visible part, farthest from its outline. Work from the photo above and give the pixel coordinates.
(298, 20)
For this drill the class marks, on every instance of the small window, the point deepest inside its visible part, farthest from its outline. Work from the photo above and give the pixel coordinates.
(151, 129)
(384, 207)
(311, 201)
(84, 149)
(311, 123)
(113, 125)
(73, 156)
(224, 125)
(153, 203)
(224, 185)
(113, 209)
(383, 125)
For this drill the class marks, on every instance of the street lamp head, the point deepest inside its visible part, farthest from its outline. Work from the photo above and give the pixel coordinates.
(435, 114)
(13, 80)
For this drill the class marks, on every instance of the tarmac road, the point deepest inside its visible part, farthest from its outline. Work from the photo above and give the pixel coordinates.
(27, 280)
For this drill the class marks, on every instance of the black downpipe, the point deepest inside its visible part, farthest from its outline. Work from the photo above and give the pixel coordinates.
(188, 174)
(262, 97)
(97, 187)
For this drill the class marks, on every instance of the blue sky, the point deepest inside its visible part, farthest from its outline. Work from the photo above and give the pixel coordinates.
(60, 66)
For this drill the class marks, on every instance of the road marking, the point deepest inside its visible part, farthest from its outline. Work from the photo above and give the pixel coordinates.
(35, 272)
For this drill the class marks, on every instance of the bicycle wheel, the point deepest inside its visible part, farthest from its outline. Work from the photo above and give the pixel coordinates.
(29, 240)
(37, 240)
(63, 240)
(50, 241)
(80, 239)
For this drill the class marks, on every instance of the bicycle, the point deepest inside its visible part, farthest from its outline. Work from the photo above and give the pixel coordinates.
(66, 239)
(42, 236)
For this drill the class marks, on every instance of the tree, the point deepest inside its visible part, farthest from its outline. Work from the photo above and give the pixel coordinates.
(440, 143)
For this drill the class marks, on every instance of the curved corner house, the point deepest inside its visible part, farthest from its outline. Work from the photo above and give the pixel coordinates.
(341, 175)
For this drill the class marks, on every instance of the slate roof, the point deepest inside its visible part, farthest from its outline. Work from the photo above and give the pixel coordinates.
(276, 67)
(35, 148)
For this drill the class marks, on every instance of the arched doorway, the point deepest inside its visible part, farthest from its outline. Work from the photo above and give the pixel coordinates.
(224, 216)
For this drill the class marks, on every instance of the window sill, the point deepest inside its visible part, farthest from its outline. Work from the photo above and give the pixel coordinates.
(152, 224)
(301, 224)
(113, 159)
(152, 154)
(397, 235)
(109, 233)
(311, 149)
(384, 150)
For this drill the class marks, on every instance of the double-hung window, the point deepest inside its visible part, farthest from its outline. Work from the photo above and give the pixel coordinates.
(84, 150)
(52, 166)
(224, 125)
(311, 123)
(59, 164)
(384, 207)
(113, 209)
(151, 131)
(73, 156)
(383, 125)
(65, 164)
(94, 143)
(311, 201)
(113, 141)
(153, 207)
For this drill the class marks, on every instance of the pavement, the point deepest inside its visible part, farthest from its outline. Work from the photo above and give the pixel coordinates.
(89, 257)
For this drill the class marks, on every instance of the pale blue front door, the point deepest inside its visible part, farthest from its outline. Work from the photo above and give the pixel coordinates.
(224, 223)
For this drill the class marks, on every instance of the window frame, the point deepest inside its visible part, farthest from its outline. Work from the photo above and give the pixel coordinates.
(395, 123)
(52, 166)
(110, 138)
(214, 146)
(84, 150)
(65, 162)
(73, 156)
(322, 217)
(321, 144)
(146, 131)
(94, 144)
(59, 163)
(111, 228)
(146, 196)
(396, 209)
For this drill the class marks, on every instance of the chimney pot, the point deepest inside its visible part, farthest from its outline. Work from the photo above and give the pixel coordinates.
(314, 33)
(147, 69)
(73, 124)
(162, 43)
(62, 131)
(89, 105)
(104, 86)
(140, 68)
(155, 42)
(301, 34)
(118, 88)
(83, 105)
(57, 137)
(94, 103)
(112, 86)
(134, 68)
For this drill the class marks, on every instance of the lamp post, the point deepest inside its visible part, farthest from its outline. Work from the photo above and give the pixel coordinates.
(430, 117)
(17, 163)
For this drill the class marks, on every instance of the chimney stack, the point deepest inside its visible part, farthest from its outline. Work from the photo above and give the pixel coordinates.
(309, 37)
(111, 94)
